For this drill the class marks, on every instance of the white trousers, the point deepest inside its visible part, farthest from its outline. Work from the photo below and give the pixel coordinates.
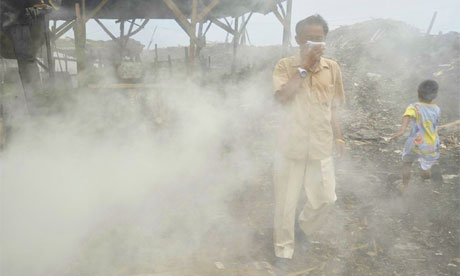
(317, 179)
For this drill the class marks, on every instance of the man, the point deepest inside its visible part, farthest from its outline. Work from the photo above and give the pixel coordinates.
(310, 89)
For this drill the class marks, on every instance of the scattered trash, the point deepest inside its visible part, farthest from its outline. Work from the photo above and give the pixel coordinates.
(449, 176)
(219, 265)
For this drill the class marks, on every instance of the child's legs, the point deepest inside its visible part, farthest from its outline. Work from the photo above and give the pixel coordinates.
(425, 165)
(426, 174)
(408, 159)
(407, 166)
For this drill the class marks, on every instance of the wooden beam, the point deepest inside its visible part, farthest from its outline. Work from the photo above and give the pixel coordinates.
(431, 23)
(193, 37)
(287, 29)
(245, 22)
(131, 26)
(236, 37)
(207, 9)
(80, 40)
(228, 23)
(83, 8)
(193, 17)
(96, 9)
(207, 28)
(179, 15)
(122, 31)
(187, 30)
(281, 7)
(279, 16)
(61, 30)
(105, 29)
(144, 23)
(63, 25)
(49, 53)
(222, 25)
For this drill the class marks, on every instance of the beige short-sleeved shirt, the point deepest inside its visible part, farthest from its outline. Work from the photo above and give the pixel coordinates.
(306, 130)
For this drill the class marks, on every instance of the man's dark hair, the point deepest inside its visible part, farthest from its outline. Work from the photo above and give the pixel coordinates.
(428, 90)
(311, 20)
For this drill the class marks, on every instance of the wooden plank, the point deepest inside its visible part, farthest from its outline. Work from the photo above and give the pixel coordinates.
(207, 9)
(105, 29)
(222, 25)
(287, 29)
(144, 23)
(193, 37)
(228, 23)
(207, 28)
(280, 6)
(431, 23)
(131, 26)
(83, 8)
(62, 26)
(96, 9)
(180, 17)
(279, 16)
(185, 28)
(80, 40)
(62, 30)
(236, 37)
(194, 12)
(245, 22)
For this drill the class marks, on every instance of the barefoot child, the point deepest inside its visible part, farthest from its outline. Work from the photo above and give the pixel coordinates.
(423, 141)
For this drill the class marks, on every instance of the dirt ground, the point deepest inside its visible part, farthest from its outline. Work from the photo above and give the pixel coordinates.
(372, 230)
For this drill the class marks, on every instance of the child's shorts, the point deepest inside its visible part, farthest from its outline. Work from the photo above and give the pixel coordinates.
(425, 164)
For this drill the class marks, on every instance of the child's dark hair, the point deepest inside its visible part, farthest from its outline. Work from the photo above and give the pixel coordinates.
(311, 20)
(428, 90)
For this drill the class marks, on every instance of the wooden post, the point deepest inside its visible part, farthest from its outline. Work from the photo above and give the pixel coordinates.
(156, 53)
(193, 36)
(170, 65)
(190, 27)
(49, 52)
(122, 38)
(235, 44)
(83, 10)
(431, 23)
(243, 33)
(186, 60)
(200, 39)
(287, 28)
(66, 63)
(80, 40)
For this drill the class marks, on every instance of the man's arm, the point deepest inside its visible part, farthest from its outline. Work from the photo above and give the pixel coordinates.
(289, 89)
(337, 132)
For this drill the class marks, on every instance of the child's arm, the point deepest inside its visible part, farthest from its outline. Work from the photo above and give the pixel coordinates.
(404, 124)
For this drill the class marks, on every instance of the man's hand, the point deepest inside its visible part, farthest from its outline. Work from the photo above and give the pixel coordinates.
(311, 57)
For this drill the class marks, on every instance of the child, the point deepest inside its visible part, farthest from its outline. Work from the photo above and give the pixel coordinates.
(423, 141)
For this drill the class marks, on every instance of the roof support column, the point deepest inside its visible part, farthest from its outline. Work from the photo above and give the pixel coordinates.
(190, 26)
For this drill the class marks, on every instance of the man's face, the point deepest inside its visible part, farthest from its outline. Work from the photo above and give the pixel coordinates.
(313, 33)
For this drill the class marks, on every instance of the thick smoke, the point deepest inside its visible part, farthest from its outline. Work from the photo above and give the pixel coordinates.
(116, 182)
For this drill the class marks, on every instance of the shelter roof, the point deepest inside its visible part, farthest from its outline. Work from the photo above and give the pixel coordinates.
(157, 9)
